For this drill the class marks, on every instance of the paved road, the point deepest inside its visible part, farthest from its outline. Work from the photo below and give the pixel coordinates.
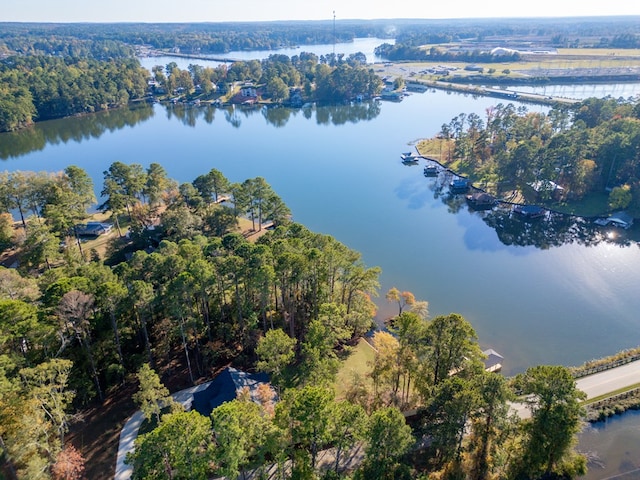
(593, 385)
(610, 380)
(598, 384)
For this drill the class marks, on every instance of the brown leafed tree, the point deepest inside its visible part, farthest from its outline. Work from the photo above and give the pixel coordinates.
(69, 465)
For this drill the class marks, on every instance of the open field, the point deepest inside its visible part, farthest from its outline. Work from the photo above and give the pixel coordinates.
(600, 52)
(590, 62)
(357, 364)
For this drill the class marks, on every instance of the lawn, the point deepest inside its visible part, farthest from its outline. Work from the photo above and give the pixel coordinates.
(358, 363)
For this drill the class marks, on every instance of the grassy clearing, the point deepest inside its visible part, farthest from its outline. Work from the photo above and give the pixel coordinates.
(356, 364)
(600, 52)
(592, 205)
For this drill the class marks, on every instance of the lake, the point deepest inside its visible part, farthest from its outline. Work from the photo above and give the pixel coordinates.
(364, 45)
(615, 446)
(339, 170)
(544, 293)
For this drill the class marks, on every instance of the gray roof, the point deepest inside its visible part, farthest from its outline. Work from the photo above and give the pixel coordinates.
(493, 358)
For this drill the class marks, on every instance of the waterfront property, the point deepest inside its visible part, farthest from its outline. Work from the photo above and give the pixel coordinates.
(459, 185)
(617, 219)
(530, 211)
(493, 361)
(481, 200)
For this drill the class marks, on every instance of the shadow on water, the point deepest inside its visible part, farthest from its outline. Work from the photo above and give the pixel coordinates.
(549, 230)
(276, 116)
(76, 129)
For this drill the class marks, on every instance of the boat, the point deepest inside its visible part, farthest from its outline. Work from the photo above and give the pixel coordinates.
(530, 211)
(430, 170)
(459, 185)
(409, 157)
(481, 200)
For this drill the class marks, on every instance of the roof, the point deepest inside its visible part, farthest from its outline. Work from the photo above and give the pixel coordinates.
(93, 228)
(482, 197)
(623, 217)
(225, 387)
(529, 210)
(493, 359)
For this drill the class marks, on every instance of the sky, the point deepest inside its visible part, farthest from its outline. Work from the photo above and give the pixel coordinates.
(266, 10)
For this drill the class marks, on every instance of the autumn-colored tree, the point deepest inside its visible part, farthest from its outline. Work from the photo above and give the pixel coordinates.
(403, 299)
(69, 464)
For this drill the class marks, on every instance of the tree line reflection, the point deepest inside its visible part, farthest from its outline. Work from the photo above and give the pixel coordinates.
(551, 230)
(74, 129)
(77, 129)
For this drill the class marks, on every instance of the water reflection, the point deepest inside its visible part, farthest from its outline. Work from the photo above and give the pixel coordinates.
(16, 144)
(276, 116)
(551, 229)
(77, 129)
(612, 447)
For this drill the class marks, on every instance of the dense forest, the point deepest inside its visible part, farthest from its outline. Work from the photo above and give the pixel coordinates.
(204, 274)
(44, 87)
(57, 70)
(109, 40)
(566, 156)
(180, 284)
(401, 51)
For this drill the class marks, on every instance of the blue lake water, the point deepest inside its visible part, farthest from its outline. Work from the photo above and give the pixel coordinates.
(536, 294)
(364, 45)
(339, 170)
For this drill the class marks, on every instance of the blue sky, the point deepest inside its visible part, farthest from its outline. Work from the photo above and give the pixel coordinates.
(255, 10)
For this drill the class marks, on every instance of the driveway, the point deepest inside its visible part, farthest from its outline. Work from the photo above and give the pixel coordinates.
(129, 432)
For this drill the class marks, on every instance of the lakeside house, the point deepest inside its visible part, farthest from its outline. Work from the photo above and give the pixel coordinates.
(226, 387)
(249, 90)
(93, 229)
(617, 219)
(493, 360)
(548, 187)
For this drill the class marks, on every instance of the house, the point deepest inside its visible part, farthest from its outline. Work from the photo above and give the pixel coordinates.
(617, 219)
(93, 229)
(249, 90)
(554, 190)
(225, 387)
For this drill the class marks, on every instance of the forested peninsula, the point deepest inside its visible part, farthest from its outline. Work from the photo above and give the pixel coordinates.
(200, 275)
(581, 159)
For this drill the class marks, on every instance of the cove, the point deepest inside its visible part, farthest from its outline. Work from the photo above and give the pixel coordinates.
(561, 301)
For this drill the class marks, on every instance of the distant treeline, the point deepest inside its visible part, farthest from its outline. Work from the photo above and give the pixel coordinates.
(44, 87)
(109, 39)
(112, 40)
(401, 51)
